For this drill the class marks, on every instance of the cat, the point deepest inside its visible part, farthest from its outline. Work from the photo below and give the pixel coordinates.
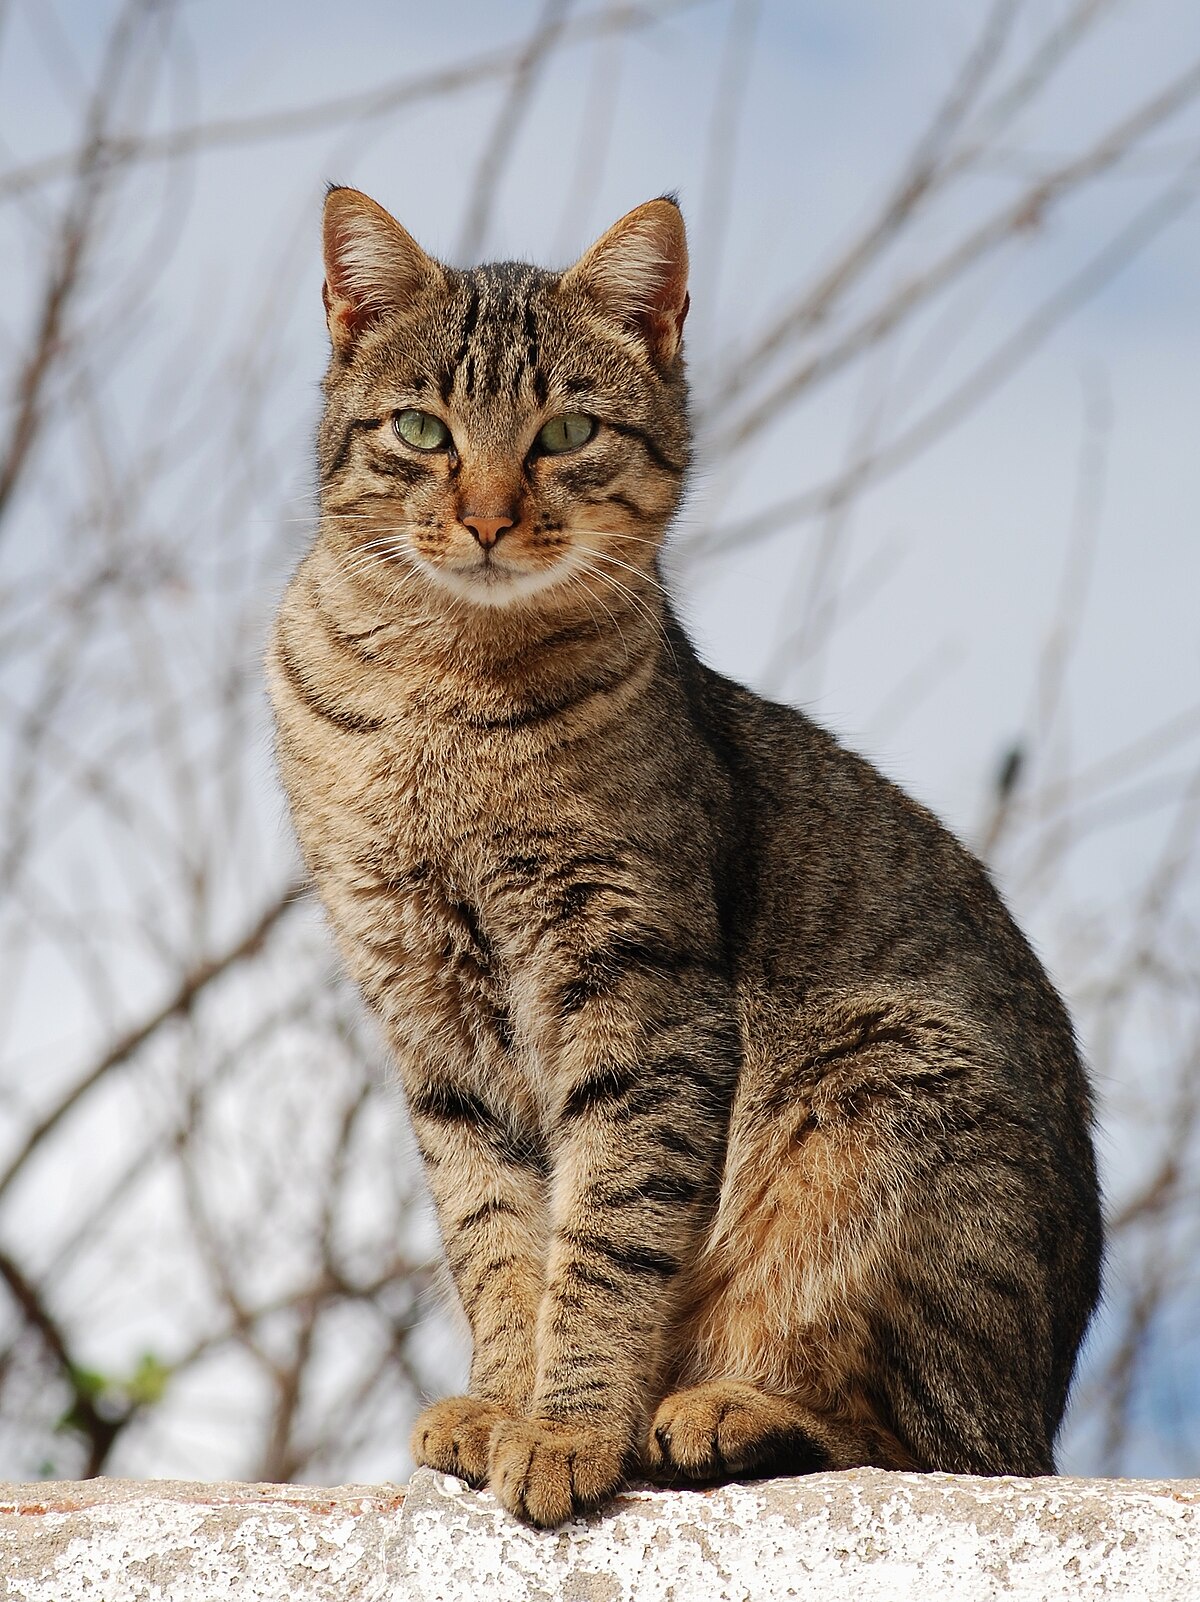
(758, 1138)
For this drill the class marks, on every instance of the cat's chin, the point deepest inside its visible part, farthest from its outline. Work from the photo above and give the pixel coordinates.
(493, 586)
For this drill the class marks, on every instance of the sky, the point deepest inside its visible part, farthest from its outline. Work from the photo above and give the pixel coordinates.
(953, 566)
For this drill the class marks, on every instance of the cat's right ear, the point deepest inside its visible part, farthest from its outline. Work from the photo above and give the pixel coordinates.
(372, 266)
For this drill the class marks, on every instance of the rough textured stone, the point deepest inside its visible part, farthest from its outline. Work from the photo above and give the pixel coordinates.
(162, 1541)
(864, 1536)
(859, 1537)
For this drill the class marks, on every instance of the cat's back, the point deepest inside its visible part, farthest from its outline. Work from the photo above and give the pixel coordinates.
(851, 882)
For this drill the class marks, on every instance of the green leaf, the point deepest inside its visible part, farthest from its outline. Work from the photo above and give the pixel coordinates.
(88, 1383)
(148, 1381)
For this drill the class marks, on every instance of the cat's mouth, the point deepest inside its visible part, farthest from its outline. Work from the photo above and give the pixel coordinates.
(490, 578)
(488, 567)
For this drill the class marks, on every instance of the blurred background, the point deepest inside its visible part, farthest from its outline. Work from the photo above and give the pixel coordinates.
(945, 350)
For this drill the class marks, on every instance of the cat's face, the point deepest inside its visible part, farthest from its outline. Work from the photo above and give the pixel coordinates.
(504, 432)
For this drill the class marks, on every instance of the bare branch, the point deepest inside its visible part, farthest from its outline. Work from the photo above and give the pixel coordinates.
(190, 988)
(98, 1429)
(1015, 218)
(915, 183)
(986, 377)
(514, 107)
(91, 173)
(367, 106)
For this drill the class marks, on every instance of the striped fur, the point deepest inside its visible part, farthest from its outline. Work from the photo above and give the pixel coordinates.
(758, 1138)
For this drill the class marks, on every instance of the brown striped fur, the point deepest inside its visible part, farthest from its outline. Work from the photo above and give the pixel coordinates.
(758, 1137)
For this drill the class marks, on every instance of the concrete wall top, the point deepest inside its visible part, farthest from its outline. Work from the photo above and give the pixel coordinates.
(864, 1536)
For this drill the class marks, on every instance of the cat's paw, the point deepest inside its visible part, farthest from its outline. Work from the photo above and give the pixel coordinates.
(721, 1429)
(454, 1436)
(545, 1471)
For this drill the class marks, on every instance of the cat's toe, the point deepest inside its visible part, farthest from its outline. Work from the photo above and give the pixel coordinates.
(684, 1440)
(454, 1436)
(545, 1472)
(717, 1430)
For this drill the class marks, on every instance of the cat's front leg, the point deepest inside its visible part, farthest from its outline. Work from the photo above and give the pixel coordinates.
(638, 1151)
(489, 1182)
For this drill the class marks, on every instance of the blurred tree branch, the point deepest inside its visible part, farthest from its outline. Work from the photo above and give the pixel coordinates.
(386, 100)
(89, 170)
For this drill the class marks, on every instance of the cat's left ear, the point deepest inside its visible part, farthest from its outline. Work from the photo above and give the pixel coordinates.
(372, 266)
(638, 273)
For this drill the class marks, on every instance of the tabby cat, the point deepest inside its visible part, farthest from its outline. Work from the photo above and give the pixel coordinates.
(758, 1137)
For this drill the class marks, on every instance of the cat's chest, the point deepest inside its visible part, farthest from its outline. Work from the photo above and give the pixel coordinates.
(471, 818)
(438, 856)
(467, 870)
(452, 922)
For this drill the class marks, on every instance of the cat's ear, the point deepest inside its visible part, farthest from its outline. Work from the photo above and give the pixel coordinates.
(638, 272)
(372, 266)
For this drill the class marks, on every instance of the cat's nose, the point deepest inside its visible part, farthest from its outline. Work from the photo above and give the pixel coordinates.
(487, 530)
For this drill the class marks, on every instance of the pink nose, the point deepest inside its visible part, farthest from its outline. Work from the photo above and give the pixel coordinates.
(487, 530)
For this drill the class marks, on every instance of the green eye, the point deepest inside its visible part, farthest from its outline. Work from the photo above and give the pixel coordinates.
(421, 430)
(566, 432)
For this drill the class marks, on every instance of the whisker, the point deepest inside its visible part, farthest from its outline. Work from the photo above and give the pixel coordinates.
(633, 599)
(576, 578)
(618, 534)
(392, 542)
(398, 589)
(379, 558)
(386, 548)
(605, 556)
(654, 617)
(387, 542)
(608, 556)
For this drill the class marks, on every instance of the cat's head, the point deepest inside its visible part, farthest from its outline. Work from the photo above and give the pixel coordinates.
(503, 432)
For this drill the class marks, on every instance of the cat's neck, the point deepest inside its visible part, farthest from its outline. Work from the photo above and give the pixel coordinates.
(450, 649)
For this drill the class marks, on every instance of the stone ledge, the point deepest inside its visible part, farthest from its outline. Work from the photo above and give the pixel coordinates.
(171, 1541)
(863, 1536)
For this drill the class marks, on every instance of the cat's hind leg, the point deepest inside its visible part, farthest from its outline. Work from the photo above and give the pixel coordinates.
(723, 1429)
(893, 1276)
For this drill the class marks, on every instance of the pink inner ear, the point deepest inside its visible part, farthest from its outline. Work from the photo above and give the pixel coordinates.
(345, 319)
(347, 288)
(661, 325)
(344, 314)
